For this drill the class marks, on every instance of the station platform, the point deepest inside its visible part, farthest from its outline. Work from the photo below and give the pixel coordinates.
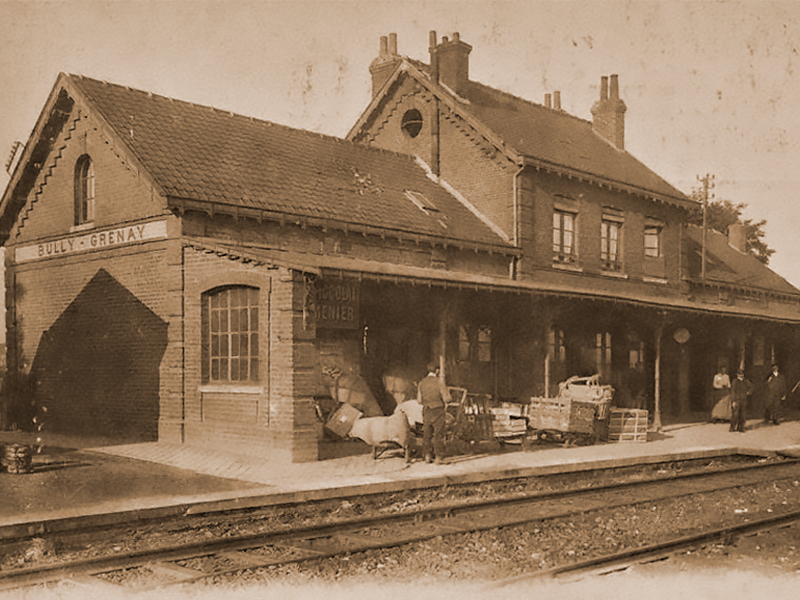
(92, 481)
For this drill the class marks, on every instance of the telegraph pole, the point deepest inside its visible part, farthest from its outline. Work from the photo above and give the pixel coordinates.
(708, 184)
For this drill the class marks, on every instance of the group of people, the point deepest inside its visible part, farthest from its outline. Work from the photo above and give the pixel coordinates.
(736, 394)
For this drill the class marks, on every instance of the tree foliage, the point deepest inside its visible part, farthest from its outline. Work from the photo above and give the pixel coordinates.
(721, 214)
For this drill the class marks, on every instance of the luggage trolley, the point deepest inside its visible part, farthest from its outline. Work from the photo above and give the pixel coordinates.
(576, 416)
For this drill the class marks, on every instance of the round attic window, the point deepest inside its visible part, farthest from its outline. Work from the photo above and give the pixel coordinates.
(412, 122)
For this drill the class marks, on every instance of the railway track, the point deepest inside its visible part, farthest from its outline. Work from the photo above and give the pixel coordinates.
(188, 562)
(618, 561)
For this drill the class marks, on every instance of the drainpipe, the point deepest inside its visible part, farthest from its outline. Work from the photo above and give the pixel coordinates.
(517, 204)
(520, 169)
(435, 149)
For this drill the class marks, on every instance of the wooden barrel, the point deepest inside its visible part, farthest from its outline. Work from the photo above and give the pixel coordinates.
(17, 458)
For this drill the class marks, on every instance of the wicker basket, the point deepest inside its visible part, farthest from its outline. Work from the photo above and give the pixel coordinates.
(17, 458)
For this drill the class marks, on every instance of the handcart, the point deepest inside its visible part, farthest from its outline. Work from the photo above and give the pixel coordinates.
(468, 420)
(576, 416)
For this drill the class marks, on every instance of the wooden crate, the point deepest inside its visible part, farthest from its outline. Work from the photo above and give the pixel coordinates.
(561, 414)
(627, 425)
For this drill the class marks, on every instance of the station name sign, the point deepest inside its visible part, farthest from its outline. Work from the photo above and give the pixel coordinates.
(95, 240)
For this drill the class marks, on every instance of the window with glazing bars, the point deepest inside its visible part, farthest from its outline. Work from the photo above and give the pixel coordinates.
(84, 190)
(563, 235)
(230, 335)
(609, 243)
(652, 241)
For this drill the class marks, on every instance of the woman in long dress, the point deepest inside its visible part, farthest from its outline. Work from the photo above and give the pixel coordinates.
(722, 396)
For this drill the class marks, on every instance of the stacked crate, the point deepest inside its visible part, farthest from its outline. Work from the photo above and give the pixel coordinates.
(627, 425)
(509, 420)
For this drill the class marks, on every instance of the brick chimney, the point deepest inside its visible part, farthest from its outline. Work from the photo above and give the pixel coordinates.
(737, 237)
(451, 61)
(384, 65)
(608, 113)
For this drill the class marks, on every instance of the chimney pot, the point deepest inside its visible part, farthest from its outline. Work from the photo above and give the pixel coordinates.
(452, 63)
(557, 100)
(608, 114)
(456, 36)
(382, 67)
(547, 102)
(432, 40)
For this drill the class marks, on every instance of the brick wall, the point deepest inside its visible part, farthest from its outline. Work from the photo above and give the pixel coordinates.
(97, 333)
(310, 243)
(98, 329)
(472, 166)
(541, 192)
(122, 192)
(275, 415)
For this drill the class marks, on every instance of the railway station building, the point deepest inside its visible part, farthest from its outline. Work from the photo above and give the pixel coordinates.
(179, 273)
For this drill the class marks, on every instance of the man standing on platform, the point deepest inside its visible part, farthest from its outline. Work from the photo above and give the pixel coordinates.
(432, 395)
(775, 395)
(740, 391)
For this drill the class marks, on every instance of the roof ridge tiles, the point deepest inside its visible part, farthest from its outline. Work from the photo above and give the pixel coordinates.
(532, 103)
(265, 122)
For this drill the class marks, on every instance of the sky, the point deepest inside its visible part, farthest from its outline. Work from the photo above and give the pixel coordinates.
(712, 87)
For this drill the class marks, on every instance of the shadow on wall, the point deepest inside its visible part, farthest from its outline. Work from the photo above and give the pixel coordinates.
(97, 367)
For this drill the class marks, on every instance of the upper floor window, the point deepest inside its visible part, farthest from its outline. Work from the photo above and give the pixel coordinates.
(563, 236)
(610, 231)
(84, 190)
(230, 335)
(412, 122)
(652, 238)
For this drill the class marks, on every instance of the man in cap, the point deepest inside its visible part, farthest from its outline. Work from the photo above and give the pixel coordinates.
(432, 394)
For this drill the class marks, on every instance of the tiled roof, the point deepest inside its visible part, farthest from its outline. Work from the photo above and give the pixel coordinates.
(203, 154)
(727, 266)
(552, 138)
(560, 139)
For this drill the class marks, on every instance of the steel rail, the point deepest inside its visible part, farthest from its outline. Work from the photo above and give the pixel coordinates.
(57, 571)
(602, 565)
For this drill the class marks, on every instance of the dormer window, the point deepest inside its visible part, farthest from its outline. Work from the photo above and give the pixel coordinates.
(412, 122)
(84, 190)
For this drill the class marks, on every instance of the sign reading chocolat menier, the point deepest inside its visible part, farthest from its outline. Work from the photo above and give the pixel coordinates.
(337, 304)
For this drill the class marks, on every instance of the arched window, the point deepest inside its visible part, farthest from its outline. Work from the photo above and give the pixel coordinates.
(84, 190)
(229, 326)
